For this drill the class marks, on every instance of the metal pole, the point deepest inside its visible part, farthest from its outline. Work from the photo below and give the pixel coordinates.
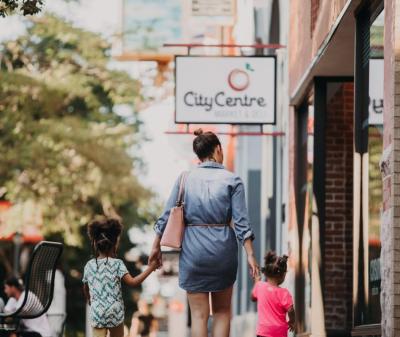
(17, 239)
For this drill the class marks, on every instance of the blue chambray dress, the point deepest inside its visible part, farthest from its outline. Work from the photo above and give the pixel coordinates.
(208, 260)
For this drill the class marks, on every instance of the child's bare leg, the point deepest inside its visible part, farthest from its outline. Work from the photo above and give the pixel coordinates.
(117, 331)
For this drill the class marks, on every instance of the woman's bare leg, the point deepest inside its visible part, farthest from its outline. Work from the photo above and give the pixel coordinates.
(221, 308)
(200, 311)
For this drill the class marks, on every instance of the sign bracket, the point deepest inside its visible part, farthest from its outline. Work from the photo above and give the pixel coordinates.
(233, 133)
(189, 46)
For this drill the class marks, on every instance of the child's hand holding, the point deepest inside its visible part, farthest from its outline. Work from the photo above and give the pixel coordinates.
(154, 264)
(257, 278)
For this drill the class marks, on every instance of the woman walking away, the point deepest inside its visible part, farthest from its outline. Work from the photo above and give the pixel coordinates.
(213, 199)
(102, 278)
(273, 302)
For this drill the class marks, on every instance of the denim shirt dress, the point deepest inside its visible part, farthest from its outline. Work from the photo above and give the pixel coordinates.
(208, 260)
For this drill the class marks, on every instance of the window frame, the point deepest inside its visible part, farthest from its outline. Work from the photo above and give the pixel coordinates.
(364, 16)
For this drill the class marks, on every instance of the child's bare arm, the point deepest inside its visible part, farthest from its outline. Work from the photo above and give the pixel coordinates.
(86, 292)
(131, 281)
(292, 319)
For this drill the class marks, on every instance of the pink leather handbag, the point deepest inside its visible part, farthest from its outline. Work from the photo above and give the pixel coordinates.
(173, 233)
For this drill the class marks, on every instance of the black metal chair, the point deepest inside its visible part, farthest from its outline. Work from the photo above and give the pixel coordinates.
(39, 286)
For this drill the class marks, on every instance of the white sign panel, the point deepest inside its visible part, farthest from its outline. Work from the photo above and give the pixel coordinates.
(375, 109)
(213, 8)
(228, 90)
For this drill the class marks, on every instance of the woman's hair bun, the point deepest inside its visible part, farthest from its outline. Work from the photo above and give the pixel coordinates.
(198, 132)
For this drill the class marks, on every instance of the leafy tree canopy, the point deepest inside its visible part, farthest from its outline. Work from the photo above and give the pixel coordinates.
(26, 7)
(65, 148)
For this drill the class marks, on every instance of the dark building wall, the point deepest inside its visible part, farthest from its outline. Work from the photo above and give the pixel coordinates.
(338, 246)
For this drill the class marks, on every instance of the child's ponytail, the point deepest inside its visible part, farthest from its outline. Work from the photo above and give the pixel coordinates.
(104, 233)
(275, 265)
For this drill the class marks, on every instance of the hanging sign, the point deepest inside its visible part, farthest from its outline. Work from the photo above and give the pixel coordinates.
(213, 8)
(148, 24)
(225, 90)
(375, 110)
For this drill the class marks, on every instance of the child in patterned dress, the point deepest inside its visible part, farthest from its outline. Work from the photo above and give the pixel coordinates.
(103, 275)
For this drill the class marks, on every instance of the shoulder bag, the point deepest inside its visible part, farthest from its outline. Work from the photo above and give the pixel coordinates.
(173, 233)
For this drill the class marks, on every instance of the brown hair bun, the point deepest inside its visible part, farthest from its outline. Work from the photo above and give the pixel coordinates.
(205, 143)
(198, 132)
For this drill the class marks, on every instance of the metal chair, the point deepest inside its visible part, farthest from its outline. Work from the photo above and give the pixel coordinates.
(39, 285)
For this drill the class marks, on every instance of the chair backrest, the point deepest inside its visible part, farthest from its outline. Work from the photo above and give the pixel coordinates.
(39, 281)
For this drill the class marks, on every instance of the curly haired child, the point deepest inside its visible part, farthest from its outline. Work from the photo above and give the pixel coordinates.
(103, 275)
(274, 303)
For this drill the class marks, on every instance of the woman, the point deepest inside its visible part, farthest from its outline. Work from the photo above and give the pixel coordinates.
(215, 217)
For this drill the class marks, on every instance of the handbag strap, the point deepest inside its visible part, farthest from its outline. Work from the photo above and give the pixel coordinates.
(181, 192)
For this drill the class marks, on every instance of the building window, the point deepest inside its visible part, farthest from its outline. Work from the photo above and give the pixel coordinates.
(369, 147)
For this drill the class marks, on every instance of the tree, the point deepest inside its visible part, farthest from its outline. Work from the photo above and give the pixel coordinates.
(69, 136)
(65, 148)
(26, 7)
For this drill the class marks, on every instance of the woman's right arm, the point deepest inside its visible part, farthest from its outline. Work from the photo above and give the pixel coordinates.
(161, 223)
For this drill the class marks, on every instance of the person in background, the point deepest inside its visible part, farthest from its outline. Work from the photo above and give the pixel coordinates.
(34, 327)
(144, 323)
(1, 305)
(274, 303)
(57, 310)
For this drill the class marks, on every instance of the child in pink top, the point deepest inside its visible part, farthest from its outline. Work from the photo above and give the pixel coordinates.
(274, 303)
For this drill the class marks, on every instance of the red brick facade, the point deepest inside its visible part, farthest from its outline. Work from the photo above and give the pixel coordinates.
(338, 259)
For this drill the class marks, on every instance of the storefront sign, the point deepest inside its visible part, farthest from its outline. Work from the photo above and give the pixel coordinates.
(213, 8)
(375, 92)
(229, 90)
(212, 12)
(148, 24)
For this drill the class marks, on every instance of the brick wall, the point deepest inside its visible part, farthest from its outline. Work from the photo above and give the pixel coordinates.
(390, 231)
(338, 257)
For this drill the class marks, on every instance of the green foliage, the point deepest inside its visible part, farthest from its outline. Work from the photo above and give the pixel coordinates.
(26, 7)
(64, 148)
(66, 152)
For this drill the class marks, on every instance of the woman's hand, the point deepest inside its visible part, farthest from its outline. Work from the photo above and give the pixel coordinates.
(253, 266)
(155, 254)
(251, 259)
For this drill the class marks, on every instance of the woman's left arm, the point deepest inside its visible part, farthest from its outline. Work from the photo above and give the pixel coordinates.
(241, 223)
(251, 259)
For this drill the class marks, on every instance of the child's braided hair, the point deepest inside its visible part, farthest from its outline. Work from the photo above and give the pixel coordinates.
(104, 233)
(275, 266)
